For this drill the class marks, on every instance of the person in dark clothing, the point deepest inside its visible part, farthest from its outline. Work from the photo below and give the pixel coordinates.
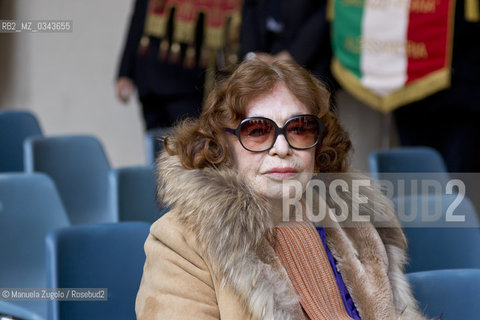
(448, 120)
(282, 29)
(167, 90)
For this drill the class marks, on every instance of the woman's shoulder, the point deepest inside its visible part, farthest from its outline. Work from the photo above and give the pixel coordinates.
(170, 232)
(176, 280)
(167, 225)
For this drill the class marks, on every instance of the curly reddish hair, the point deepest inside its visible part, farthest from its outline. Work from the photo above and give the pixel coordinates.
(202, 142)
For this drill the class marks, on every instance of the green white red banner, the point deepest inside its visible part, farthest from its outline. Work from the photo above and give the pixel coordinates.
(389, 53)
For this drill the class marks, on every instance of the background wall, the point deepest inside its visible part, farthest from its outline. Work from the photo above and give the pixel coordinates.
(67, 79)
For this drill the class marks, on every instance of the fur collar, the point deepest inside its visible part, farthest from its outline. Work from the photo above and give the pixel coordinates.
(231, 221)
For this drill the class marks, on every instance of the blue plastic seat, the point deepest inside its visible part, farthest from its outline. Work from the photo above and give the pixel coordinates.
(434, 242)
(154, 142)
(448, 294)
(30, 207)
(15, 126)
(408, 167)
(407, 159)
(97, 256)
(79, 167)
(134, 193)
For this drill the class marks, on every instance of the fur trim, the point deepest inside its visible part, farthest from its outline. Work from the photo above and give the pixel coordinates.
(371, 259)
(231, 223)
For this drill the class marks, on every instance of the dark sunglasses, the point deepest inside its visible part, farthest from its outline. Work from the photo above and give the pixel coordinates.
(258, 134)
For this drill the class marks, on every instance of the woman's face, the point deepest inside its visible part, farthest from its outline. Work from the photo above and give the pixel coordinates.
(266, 171)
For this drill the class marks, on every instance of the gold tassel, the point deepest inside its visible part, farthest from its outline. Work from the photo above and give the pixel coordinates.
(144, 42)
(163, 50)
(232, 46)
(174, 56)
(209, 57)
(330, 10)
(232, 58)
(472, 11)
(189, 61)
(233, 29)
(204, 57)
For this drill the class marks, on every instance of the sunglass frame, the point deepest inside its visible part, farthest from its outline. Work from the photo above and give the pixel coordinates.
(278, 131)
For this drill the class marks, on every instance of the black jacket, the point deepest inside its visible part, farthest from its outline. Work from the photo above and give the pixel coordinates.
(149, 74)
(306, 34)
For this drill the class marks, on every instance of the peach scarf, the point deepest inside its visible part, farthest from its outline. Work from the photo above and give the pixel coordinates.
(301, 252)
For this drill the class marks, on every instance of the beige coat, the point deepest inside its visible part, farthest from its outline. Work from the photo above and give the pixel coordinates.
(208, 258)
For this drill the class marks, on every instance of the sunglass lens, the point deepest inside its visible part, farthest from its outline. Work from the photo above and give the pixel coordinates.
(257, 134)
(303, 132)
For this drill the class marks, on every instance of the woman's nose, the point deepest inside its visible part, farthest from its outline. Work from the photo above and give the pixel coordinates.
(280, 147)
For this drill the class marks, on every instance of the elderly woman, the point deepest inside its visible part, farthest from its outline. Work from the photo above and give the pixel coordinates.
(230, 248)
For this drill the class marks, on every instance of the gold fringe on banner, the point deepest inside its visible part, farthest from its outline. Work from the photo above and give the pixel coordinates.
(330, 10)
(417, 90)
(472, 11)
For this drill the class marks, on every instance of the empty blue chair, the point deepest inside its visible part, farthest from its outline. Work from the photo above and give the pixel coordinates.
(15, 126)
(29, 208)
(407, 159)
(154, 142)
(435, 243)
(406, 165)
(80, 168)
(448, 294)
(9, 310)
(97, 256)
(134, 193)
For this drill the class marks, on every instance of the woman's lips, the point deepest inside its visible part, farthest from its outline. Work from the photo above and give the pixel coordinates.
(282, 173)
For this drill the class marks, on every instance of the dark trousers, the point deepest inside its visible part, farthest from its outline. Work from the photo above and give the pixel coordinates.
(165, 111)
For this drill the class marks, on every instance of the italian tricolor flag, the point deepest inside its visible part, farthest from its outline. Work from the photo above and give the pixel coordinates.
(389, 53)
